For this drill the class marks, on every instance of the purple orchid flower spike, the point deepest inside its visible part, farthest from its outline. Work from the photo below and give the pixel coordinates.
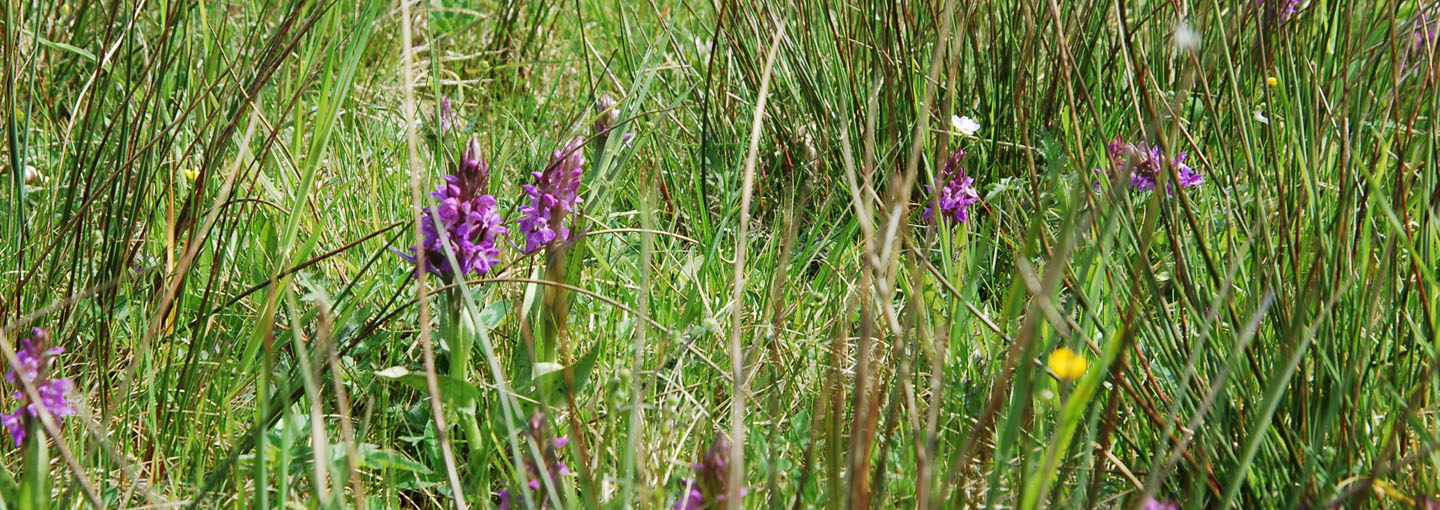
(1152, 504)
(956, 192)
(468, 217)
(552, 198)
(1279, 10)
(1145, 162)
(712, 474)
(35, 357)
(550, 466)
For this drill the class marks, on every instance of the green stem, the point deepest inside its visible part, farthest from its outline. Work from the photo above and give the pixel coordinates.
(35, 489)
(460, 330)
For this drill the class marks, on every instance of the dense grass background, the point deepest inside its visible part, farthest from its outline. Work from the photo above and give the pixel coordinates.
(217, 187)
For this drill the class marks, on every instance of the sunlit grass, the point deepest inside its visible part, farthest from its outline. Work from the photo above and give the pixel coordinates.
(204, 204)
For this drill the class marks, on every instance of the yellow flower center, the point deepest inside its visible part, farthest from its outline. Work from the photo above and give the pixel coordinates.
(1067, 364)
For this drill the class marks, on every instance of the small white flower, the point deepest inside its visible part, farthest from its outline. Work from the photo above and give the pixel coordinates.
(1261, 118)
(1186, 38)
(965, 125)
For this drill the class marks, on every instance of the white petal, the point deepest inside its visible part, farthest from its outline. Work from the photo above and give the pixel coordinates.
(965, 125)
(1186, 38)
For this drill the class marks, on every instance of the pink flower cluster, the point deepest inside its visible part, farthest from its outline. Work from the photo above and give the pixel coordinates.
(550, 458)
(712, 474)
(553, 197)
(956, 191)
(1144, 163)
(468, 217)
(35, 357)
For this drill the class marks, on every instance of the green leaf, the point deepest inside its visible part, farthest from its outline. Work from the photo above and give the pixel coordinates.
(9, 490)
(584, 366)
(455, 393)
(78, 51)
(35, 484)
(544, 368)
(551, 376)
(492, 316)
(374, 457)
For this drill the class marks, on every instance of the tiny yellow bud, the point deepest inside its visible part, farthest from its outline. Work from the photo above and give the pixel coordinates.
(1272, 81)
(1067, 364)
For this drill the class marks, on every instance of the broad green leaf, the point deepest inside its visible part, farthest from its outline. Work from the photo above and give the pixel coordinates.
(458, 394)
(494, 315)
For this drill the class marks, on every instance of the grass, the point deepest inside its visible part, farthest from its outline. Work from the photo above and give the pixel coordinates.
(217, 190)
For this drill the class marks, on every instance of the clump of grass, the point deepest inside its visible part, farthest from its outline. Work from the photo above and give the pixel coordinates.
(751, 230)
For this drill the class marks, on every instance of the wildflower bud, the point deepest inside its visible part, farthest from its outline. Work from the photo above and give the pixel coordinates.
(609, 115)
(803, 144)
(714, 465)
(712, 473)
(473, 170)
(447, 120)
(31, 175)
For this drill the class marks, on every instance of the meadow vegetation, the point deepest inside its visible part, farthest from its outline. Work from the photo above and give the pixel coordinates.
(706, 254)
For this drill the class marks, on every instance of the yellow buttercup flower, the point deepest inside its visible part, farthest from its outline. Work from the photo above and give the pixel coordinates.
(1272, 81)
(191, 173)
(1067, 364)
